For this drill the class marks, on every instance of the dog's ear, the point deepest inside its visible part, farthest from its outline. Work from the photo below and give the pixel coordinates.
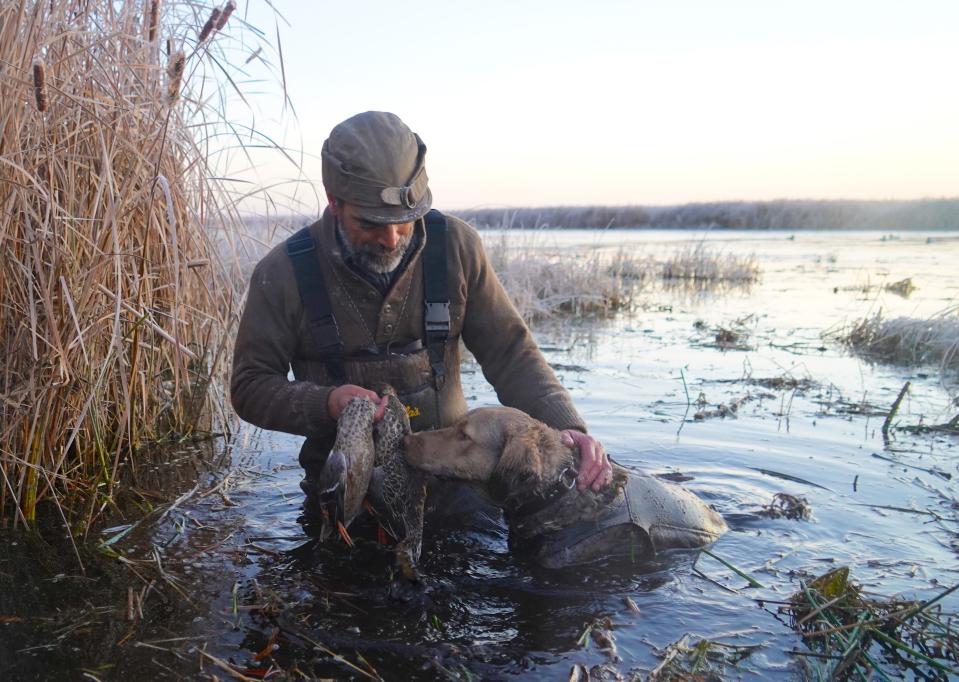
(520, 466)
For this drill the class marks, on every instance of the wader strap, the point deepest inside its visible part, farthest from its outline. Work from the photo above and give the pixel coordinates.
(316, 302)
(436, 317)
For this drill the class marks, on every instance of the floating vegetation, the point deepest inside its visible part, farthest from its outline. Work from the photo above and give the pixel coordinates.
(907, 340)
(705, 659)
(951, 427)
(723, 410)
(837, 405)
(903, 287)
(784, 383)
(786, 506)
(735, 336)
(859, 637)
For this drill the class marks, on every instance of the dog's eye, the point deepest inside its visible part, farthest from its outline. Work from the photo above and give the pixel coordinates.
(462, 435)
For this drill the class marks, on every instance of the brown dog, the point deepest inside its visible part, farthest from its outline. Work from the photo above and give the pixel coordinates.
(531, 474)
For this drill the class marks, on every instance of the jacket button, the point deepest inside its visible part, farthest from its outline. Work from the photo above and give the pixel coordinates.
(387, 308)
(389, 328)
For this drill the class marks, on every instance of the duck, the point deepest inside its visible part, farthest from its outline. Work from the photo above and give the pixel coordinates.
(397, 492)
(366, 468)
(344, 480)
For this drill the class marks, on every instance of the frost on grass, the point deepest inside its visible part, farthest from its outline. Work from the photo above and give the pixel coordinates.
(699, 262)
(543, 282)
(907, 340)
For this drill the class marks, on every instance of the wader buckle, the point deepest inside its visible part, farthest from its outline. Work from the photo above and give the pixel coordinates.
(437, 317)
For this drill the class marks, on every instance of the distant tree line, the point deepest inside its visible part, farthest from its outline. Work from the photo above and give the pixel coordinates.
(785, 214)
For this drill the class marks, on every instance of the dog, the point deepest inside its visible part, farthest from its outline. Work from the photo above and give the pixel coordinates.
(531, 474)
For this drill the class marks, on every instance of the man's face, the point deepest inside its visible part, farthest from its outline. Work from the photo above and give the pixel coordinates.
(377, 247)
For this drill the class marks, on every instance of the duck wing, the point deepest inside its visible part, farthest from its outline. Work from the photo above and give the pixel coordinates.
(345, 478)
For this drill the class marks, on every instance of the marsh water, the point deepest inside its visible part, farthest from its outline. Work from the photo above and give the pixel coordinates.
(240, 587)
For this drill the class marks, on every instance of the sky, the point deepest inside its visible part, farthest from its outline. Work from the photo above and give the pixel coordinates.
(529, 103)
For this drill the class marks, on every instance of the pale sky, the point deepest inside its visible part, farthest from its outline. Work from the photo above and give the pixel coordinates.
(603, 102)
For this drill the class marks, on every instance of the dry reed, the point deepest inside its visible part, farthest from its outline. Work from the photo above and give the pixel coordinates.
(907, 340)
(543, 281)
(699, 263)
(542, 284)
(117, 307)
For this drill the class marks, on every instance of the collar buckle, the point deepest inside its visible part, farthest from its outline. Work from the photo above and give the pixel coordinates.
(568, 477)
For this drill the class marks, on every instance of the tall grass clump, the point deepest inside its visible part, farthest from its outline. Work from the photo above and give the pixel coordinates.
(696, 262)
(907, 340)
(117, 306)
(542, 283)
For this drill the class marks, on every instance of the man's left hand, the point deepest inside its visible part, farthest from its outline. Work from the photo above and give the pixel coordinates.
(595, 470)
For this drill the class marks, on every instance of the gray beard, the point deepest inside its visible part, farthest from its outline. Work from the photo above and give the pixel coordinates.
(372, 257)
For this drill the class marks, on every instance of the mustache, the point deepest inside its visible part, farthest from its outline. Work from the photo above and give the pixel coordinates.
(378, 258)
(380, 250)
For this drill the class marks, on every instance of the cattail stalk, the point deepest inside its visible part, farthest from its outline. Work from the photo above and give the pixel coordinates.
(39, 84)
(174, 72)
(225, 14)
(210, 24)
(153, 20)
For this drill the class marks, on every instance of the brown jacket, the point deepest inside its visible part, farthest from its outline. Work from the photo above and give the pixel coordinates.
(274, 336)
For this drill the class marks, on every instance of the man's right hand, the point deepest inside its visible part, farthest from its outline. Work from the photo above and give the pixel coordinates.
(341, 395)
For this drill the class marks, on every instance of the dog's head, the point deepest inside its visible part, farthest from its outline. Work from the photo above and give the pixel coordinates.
(498, 445)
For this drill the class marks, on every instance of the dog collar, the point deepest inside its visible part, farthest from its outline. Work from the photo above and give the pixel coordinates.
(565, 483)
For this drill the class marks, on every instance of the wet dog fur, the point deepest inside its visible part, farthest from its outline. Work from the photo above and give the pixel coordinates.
(518, 458)
(521, 460)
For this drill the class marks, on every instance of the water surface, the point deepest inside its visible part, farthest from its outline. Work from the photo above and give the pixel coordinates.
(262, 593)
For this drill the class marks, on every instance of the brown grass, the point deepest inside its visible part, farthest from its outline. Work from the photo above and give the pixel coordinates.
(116, 307)
(542, 283)
(700, 263)
(545, 281)
(907, 340)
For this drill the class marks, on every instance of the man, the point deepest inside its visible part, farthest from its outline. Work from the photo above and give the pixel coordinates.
(342, 303)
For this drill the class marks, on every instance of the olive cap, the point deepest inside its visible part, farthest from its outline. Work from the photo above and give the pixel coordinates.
(376, 163)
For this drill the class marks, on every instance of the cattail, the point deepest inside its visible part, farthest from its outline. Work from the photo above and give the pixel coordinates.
(153, 20)
(39, 84)
(174, 73)
(210, 24)
(225, 14)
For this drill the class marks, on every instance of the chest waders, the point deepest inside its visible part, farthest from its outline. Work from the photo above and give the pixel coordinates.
(415, 370)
